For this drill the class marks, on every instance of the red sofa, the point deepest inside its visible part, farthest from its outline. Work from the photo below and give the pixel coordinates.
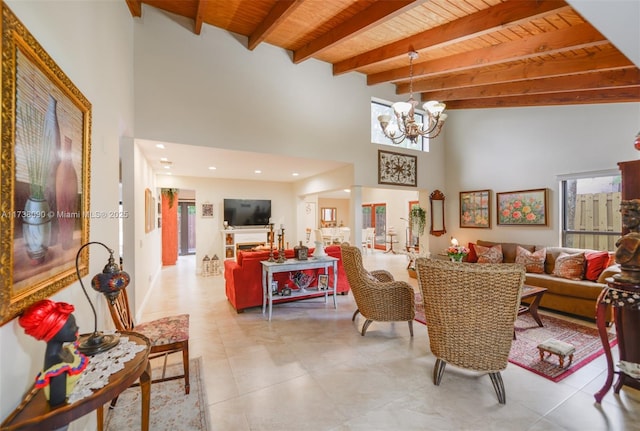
(243, 276)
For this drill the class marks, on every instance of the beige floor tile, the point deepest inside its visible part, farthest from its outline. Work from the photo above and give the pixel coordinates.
(310, 369)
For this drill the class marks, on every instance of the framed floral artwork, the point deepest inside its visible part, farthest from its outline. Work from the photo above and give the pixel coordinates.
(525, 207)
(475, 209)
(397, 169)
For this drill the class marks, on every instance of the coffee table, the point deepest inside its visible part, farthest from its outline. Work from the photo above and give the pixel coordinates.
(536, 293)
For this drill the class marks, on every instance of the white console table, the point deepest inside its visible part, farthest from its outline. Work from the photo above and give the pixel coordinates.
(270, 268)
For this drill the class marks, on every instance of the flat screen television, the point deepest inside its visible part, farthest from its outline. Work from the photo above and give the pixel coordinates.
(247, 212)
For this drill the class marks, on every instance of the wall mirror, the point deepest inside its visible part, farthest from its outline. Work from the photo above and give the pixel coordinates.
(328, 215)
(437, 213)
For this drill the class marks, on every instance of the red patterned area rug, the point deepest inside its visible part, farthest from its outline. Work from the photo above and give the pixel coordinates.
(524, 351)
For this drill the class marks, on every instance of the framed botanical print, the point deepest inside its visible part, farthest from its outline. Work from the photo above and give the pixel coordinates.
(525, 207)
(397, 169)
(475, 209)
(45, 163)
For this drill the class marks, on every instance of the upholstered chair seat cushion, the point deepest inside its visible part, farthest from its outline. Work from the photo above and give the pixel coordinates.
(166, 330)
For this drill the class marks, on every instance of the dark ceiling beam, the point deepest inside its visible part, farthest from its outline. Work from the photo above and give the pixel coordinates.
(135, 7)
(620, 95)
(374, 15)
(607, 58)
(499, 17)
(197, 25)
(604, 80)
(571, 38)
(280, 11)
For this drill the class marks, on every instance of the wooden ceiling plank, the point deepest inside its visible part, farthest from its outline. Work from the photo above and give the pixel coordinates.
(376, 14)
(622, 95)
(197, 25)
(579, 36)
(602, 80)
(610, 59)
(280, 11)
(135, 7)
(502, 16)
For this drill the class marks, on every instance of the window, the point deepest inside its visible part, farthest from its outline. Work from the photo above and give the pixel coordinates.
(379, 107)
(591, 210)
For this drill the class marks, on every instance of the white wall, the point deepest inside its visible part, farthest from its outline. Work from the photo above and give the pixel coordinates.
(526, 148)
(233, 98)
(92, 42)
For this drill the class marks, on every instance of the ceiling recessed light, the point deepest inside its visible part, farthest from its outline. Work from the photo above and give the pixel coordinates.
(164, 159)
(257, 171)
(347, 190)
(295, 174)
(212, 168)
(160, 146)
(167, 167)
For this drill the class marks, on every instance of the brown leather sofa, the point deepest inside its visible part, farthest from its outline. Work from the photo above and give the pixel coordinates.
(243, 276)
(575, 297)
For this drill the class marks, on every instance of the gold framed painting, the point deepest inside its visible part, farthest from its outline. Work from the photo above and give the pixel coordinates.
(44, 189)
(522, 208)
(475, 209)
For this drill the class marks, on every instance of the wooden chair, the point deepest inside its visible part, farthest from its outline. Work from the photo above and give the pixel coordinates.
(470, 310)
(378, 296)
(167, 335)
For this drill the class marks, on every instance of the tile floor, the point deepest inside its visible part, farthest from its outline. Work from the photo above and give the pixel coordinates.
(310, 369)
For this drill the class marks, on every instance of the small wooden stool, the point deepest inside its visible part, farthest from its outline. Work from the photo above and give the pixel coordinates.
(557, 347)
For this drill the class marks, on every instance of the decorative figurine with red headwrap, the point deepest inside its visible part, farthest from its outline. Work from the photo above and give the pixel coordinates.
(63, 364)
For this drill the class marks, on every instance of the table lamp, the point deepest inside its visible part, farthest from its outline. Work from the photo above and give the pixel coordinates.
(109, 282)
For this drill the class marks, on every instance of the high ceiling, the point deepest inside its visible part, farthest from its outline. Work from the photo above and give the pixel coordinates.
(472, 53)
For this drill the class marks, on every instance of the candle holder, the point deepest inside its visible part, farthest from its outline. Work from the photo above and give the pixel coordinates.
(281, 257)
(270, 241)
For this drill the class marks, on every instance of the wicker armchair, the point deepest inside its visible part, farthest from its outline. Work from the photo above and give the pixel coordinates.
(378, 296)
(470, 310)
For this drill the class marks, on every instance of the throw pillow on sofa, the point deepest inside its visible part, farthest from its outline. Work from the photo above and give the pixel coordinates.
(597, 261)
(570, 266)
(472, 257)
(533, 262)
(489, 254)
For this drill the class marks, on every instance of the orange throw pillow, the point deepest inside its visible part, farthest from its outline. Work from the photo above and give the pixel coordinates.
(472, 257)
(570, 266)
(489, 254)
(597, 261)
(533, 262)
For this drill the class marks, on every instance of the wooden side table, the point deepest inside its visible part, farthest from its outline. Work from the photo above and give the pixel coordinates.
(34, 413)
(625, 300)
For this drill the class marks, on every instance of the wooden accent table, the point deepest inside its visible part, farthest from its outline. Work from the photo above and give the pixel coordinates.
(625, 300)
(34, 413)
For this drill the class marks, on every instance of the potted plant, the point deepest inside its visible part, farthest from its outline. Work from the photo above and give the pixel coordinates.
(417, 218)
(170, 194)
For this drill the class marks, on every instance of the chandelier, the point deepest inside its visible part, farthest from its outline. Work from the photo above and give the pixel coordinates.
(406, 127)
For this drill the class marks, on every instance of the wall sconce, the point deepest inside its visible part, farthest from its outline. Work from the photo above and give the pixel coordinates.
(109, 282)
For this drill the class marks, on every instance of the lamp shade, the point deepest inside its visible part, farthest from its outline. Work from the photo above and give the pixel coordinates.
(434, 107)
(402, 108)
(111, 280)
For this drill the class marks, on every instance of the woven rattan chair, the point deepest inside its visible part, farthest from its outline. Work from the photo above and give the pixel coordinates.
(470, 310)
(378, 296)
(167, 335)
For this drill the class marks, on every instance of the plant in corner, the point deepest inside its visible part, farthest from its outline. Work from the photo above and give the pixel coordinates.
(170, 194)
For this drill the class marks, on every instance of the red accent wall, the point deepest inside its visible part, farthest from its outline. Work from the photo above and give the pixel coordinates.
(169, 231)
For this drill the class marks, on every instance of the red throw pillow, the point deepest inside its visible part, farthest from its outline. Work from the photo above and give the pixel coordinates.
(472, 257)
(597, 261)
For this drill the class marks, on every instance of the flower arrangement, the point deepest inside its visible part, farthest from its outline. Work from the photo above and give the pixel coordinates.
(457, 252)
